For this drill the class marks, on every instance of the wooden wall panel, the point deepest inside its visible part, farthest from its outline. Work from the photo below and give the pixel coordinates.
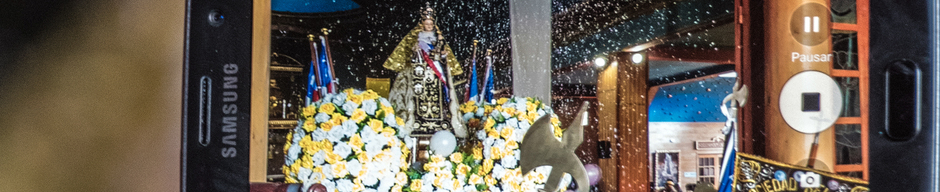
(607, 125)
(632, 121)
(260, 60)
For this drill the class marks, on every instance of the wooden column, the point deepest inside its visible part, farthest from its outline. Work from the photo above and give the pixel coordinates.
(632, 122)
(260, 60)
(607, 125)
(785, 35)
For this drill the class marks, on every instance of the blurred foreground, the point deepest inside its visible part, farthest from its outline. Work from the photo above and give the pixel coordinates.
(90, 98)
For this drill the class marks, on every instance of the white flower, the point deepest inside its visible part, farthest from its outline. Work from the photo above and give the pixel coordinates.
(469, 188)
(509, 161)
(374, 148)
(505, 186)
(493, 188)
(500, 144)
(304, 174)
(335, 135)
(467, 117)
(480, 112)
(442, 190)
(299, 133)
(292, 153)
(390, 120)
(330, 185)
(342, 149)
(384, 102)
(326, 171)
(350, 107)
(481, 135)
(371, 177)
(498, 171)
(387, 182)
(521, 105)
(345, 185)
(317, 135)
(321, 117)
(513, 122)
(505, 115)
(409, 143)
(339, 99)
(318, 157)
(369, 106)
(327, 98)
(354, 167)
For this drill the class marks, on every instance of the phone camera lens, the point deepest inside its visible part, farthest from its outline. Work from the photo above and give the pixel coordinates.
(216, 18)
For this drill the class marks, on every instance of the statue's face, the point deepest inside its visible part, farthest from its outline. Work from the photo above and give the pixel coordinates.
(428, 25)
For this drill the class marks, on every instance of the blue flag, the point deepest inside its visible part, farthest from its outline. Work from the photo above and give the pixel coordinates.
(473, 81)
(488, 83)
(726, 175)
(326, 76)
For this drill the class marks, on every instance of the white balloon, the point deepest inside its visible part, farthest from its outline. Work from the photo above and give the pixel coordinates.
(443, 143)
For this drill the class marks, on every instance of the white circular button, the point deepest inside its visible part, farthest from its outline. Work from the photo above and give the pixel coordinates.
(810, 102)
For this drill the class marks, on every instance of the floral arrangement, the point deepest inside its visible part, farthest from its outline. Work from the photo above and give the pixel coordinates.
(348, 142)
(492, 164)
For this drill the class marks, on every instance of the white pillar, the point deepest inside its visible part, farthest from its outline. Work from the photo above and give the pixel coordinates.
(530, 31)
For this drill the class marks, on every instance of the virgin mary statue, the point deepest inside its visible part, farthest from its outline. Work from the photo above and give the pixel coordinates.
(423, 92)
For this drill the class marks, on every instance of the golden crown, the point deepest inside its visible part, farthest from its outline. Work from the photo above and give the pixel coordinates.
(428, 12)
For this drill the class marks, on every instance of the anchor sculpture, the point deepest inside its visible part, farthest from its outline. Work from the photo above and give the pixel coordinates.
(540, 147)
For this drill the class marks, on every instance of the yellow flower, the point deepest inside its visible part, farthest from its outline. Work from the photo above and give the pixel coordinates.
(399, 121)
(490, 180)
(495, 153)
(290, 180)
(510, 110)
(401, 177)
(436, 158)
(356, 142)
(558, 132)
(339, 169)
(530, 106)
(507, 132)
(415, 185)
(501, 101)
(376, 125)
(512, 144)
(487, 109)
(492, 132)
(326, 126)
(438, 181)
(327, 108)
(462, 170)
(358, 115)
(358, 186)
(308, 111)
(308, 146)
(388, 130)
(357, 99)
(532, 116)
(456, 157)
(458, 184)
(555, 121)
(515, 185)
(310, 125)
(489, 123)
(333, 158)
(475, 179)
(349, 91)
(306, 161)
(486, 167)
(396, 188)
(477, 153)
(326, 145)
(363, 158)
(388, 109)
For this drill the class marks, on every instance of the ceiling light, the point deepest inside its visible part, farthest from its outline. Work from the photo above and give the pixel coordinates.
(600, 61)
(637, 58)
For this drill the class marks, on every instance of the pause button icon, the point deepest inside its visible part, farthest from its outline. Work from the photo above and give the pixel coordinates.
(815, 24)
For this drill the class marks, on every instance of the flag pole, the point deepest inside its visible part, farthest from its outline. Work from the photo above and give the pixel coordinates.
(315, 63)
(472, 74)
(329, 60)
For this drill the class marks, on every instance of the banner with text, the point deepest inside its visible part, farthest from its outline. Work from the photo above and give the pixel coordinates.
(757, 174)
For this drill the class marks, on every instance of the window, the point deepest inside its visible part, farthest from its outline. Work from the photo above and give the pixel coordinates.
(850, 70)
(708, 168)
